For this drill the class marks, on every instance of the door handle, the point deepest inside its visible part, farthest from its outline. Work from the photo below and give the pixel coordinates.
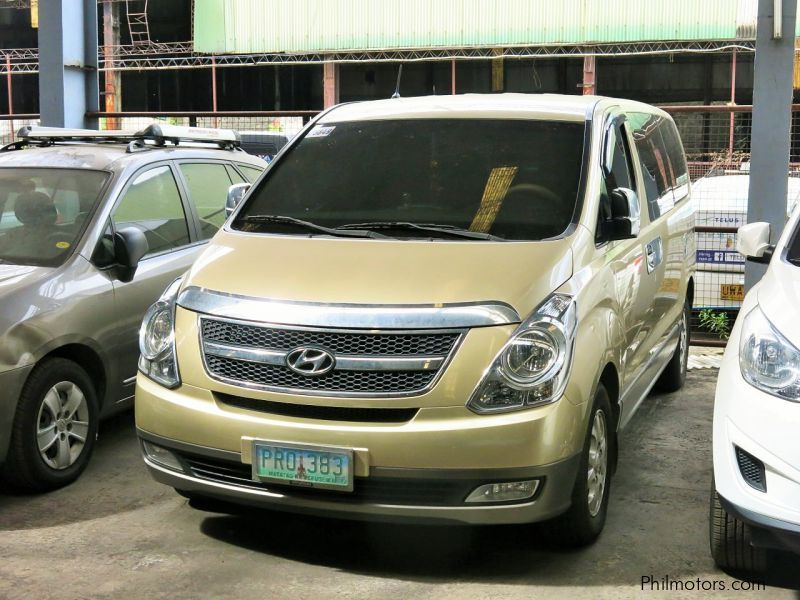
(654, 253)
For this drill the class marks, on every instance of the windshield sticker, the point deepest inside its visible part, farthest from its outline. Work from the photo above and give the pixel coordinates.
(497, 187)
(321, 131)
(62, 245)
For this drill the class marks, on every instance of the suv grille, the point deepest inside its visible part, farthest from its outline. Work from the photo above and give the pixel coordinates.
(366, 364)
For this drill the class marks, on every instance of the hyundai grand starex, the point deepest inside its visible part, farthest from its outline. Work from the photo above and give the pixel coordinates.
(438, 309)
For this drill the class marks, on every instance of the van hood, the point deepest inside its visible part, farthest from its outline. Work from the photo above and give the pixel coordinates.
(366, 271)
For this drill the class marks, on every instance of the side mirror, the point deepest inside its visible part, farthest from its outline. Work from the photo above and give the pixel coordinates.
(752, 241)
(625, 218)
(130, 246)
(235, 194)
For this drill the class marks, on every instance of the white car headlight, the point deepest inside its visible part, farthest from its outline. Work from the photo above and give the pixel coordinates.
(157, 339)
(767, 360)
(532, 367)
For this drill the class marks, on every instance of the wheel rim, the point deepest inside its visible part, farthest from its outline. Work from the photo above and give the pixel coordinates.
(683, 342)
(598, 463)
(63, 425)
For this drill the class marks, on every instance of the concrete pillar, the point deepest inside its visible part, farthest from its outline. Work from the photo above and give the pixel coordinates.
(330, 84)
(772, 121)
(68, 83)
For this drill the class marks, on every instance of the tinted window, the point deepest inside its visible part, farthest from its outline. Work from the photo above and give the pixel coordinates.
(511, 178)
(250, 172)
(658, 168)
(234, 175)
(677, 159)
(152, 204)
(618, 158)
(43, 212)
(208, 185)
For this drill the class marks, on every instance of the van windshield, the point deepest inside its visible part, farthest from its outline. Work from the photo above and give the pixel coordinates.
(43, 212)
(484, 179)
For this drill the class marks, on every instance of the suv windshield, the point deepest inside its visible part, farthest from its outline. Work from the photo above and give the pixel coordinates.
(504, 179)
(43, 212)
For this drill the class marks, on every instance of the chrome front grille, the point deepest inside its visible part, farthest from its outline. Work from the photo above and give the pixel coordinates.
(382, 363)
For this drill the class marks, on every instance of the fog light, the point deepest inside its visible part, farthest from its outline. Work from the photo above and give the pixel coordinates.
(504, 492)
(161, 456)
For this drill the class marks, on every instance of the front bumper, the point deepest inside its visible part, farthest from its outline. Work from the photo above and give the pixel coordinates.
(399, 468)
(11, 383)
(407, 495)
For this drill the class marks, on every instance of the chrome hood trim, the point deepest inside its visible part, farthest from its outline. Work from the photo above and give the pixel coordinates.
(354, 316)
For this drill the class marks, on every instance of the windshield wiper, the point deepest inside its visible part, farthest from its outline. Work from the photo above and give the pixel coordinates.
(307, 225)
(450, 230)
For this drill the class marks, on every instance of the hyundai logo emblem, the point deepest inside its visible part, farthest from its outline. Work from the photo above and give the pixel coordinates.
(310, 361)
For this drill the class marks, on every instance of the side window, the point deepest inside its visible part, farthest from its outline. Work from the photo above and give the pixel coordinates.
(234, 174)
(251, 173)
(677, 159)
(208, 188)
(619, 159)
(152, 204)
(658, 168)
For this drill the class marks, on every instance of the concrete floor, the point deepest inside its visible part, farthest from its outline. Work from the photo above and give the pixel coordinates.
(117, 534)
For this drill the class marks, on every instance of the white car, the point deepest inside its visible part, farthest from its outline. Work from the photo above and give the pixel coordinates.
(755, 500)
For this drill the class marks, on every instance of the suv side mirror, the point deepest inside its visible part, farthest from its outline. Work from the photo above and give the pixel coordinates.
(625, 219)
(130, 246)
(235, 194)
(752, 241)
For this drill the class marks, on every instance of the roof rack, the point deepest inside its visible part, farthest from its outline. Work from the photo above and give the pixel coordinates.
(158, 134)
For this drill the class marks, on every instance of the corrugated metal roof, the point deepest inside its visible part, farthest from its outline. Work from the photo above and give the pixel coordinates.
(296, 26)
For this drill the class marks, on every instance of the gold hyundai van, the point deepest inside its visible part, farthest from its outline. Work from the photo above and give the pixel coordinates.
(438, 309)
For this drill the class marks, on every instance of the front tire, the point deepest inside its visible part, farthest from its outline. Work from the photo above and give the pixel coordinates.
(584, 521)
(674, 375)
(730, 541)
(54, 428)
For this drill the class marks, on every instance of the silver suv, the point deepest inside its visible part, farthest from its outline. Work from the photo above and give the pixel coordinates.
(93, 226)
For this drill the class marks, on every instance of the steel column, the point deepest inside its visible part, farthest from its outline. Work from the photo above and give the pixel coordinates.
(330, 84)
(113, 79)
(772, 119)
(68, 84)
(589, 75)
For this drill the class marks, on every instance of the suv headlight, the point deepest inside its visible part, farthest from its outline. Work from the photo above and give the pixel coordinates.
(532, 367)
(157, 357)
(767, 360)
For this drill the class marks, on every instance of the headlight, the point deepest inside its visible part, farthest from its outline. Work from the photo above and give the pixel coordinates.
(767, 360)
(157, 339)
(532, 367)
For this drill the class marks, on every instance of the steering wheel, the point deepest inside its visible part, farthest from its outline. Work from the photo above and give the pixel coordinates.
(534, 188)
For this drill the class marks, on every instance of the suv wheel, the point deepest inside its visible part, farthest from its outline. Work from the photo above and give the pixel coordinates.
(54, 429)
(674, 375)
(730, 541)
(586, 517)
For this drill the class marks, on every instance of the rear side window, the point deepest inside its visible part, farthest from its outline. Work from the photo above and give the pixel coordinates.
(153, 205)
(664, 166)
(250, 172)
(208, 187)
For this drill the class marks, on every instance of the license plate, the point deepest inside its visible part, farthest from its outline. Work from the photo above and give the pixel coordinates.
(731, 291)
(307, 466)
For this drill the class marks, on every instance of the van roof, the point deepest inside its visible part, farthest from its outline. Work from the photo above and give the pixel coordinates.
(475, 106)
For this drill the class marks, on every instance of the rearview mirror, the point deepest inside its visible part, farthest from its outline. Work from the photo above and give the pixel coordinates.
(235, 194)
(625, 218)
(752, 241)
(130, 246)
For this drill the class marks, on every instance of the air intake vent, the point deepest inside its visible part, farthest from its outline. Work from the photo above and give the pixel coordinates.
(752, 470)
